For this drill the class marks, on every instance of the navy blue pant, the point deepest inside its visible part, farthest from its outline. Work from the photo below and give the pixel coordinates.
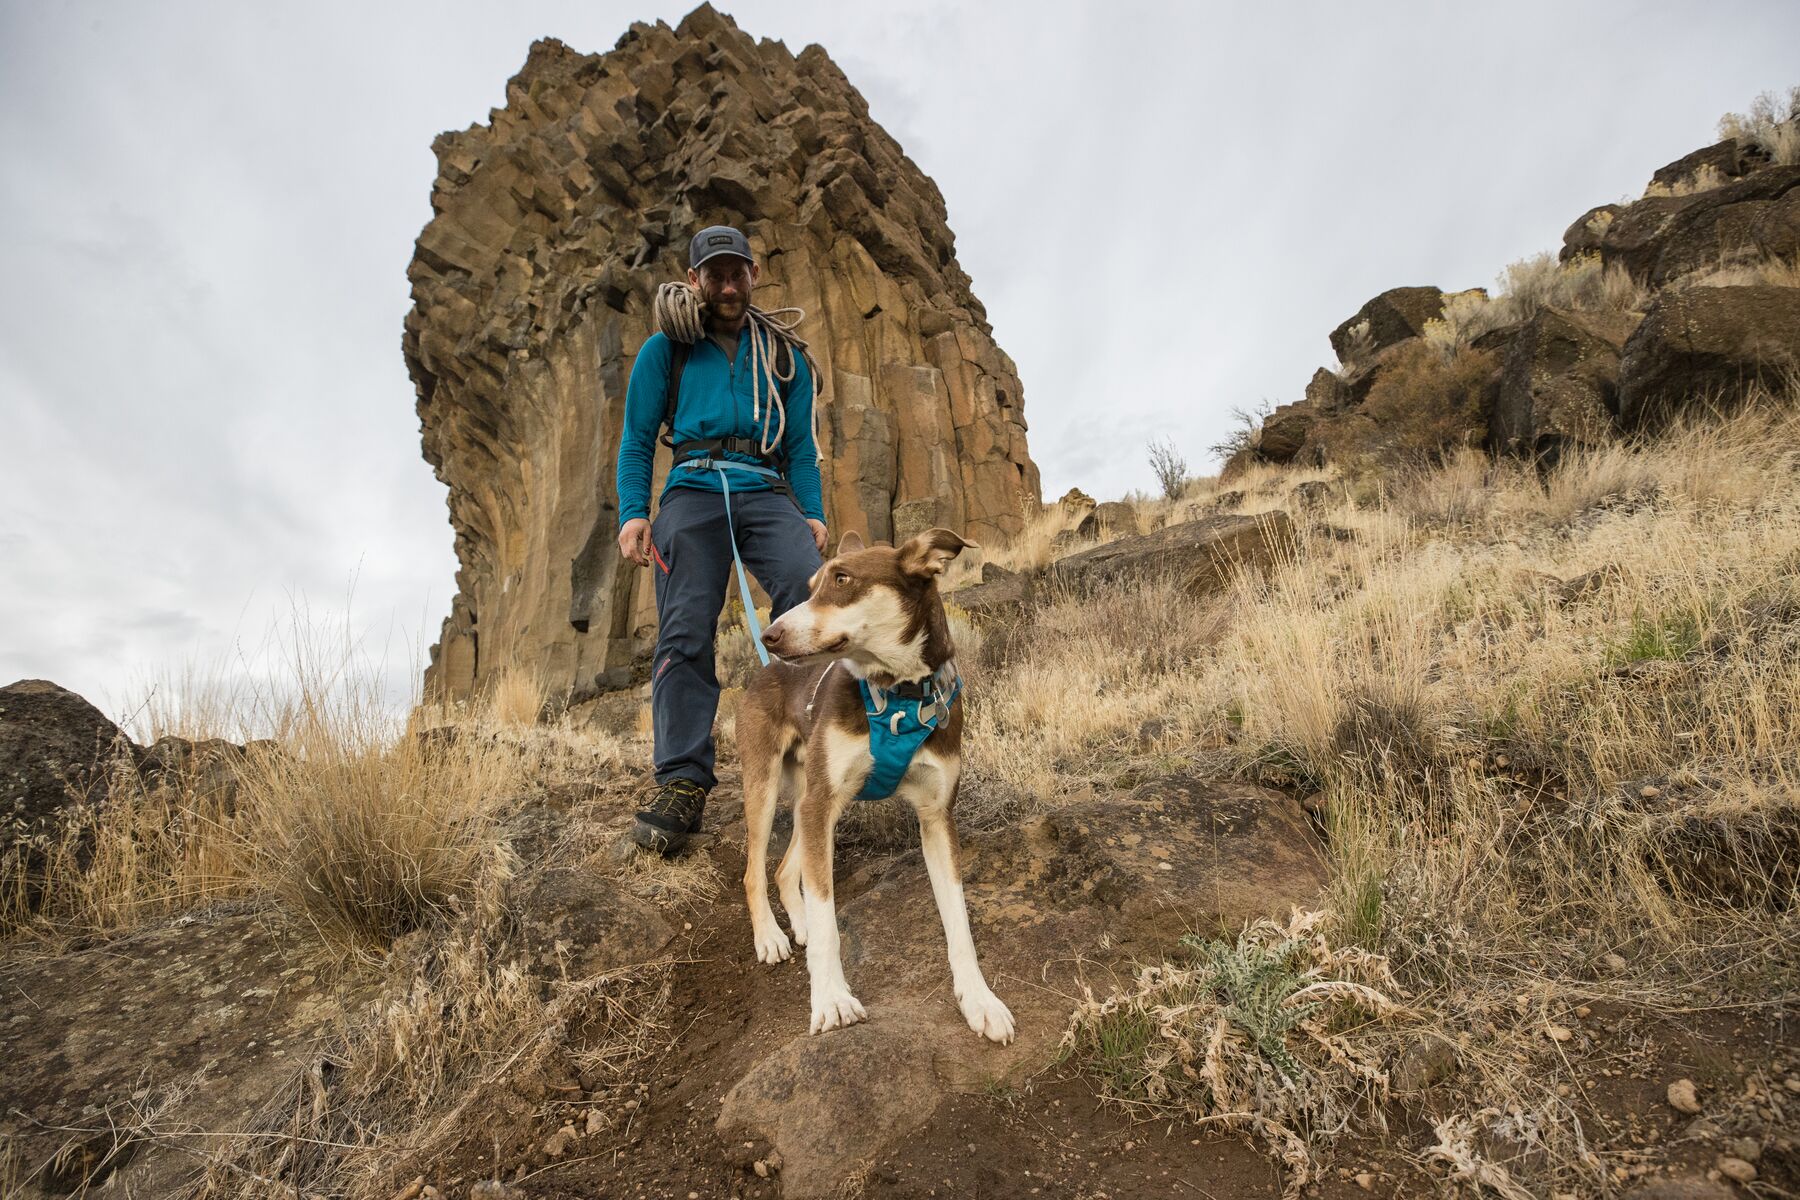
(693, 571)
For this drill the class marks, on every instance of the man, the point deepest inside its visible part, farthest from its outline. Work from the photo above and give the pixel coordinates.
(776, 513)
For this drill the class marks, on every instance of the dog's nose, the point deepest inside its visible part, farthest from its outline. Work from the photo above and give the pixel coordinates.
(771, 637)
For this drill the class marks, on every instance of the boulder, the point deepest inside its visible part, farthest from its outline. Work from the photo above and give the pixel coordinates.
(1706, 345)
(1558, 385)
(1393, 316)
(55, 752)
(1284, 431)
(1076, 501)
(1000, 592)
(1587, 232)
(1199, 555)
(1729, 159)
(1109, 519)
(1326, 391)
(1659, 238)
(553, 223)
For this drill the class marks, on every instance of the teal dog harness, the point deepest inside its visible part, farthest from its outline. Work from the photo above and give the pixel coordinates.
(900, 719)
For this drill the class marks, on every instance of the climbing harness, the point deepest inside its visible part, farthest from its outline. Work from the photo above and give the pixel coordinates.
(773, 346)
(900, 719)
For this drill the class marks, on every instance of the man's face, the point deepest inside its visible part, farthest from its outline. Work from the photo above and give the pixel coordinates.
(724, 282)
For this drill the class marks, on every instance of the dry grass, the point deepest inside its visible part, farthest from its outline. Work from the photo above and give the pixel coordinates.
(1582, 284)
(361, 821)
(1546, 719)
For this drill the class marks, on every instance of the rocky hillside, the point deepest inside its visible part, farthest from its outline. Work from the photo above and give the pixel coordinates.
(1684, 298)
(532, 284)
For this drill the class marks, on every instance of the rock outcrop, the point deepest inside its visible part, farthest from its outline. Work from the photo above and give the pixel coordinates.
(1576, 360)
(55, 749)
(1558, 384)
(532, 290)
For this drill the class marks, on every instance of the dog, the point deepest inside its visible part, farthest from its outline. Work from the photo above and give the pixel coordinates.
(873, 614)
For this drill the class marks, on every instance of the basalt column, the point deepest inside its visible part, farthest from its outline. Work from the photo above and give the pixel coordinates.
(532, 284)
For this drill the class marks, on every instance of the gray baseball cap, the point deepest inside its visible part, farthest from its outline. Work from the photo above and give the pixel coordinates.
(715, 240)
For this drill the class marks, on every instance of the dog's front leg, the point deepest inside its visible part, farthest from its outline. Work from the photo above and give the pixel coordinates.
(982, 1009)
(832, 1004)
(760, 768)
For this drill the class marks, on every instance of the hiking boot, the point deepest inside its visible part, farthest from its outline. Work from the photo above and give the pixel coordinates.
(673, 813)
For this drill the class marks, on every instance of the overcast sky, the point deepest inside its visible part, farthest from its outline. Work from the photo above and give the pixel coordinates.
(206, 213)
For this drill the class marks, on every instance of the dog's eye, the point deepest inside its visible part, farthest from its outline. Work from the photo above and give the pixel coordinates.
(842, 579)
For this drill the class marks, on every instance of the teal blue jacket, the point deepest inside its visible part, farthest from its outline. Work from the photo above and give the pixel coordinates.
(715, 402)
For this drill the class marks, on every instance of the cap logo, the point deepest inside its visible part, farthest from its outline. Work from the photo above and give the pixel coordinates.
(720, 239)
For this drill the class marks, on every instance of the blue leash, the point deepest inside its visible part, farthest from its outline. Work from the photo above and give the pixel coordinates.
(723, 468)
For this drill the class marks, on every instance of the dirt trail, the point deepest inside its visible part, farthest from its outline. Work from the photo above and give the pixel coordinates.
(1021, 1130)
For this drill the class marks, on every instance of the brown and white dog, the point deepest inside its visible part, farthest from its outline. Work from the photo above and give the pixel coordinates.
(874, 613)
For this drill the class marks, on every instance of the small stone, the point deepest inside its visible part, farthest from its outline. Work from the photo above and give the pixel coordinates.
(595, 1122)
(761, 1168)
(1614, 962)
(412, 1190)
(1130, 1145)
(1792, 1083)
(1701, 1128)
(1649, 792)
(1563, 1090)
(1736, 1169)
(560, 1141)
(631, 1105)
(1584, 1012)
(1558, 1033)
(1748, 1149)
(1365, 1181)
(1682, 1097)
(774, 1160)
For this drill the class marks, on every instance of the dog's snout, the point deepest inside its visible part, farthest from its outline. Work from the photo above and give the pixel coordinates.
(771, 637)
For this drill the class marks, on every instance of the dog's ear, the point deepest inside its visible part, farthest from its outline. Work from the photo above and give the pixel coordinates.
(928, 554)
(850, 543)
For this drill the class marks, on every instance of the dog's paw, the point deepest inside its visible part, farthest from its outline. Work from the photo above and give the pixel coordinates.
(987, 1016)
(798, 925)
(836, 1010)
(772, 945)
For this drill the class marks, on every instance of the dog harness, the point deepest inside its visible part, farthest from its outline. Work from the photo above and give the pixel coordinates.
(900, 719)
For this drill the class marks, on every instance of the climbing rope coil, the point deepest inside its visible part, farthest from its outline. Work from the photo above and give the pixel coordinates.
(681, 317)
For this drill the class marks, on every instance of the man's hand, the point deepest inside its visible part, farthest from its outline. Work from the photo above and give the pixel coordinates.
(634, 541)
(818, 532)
